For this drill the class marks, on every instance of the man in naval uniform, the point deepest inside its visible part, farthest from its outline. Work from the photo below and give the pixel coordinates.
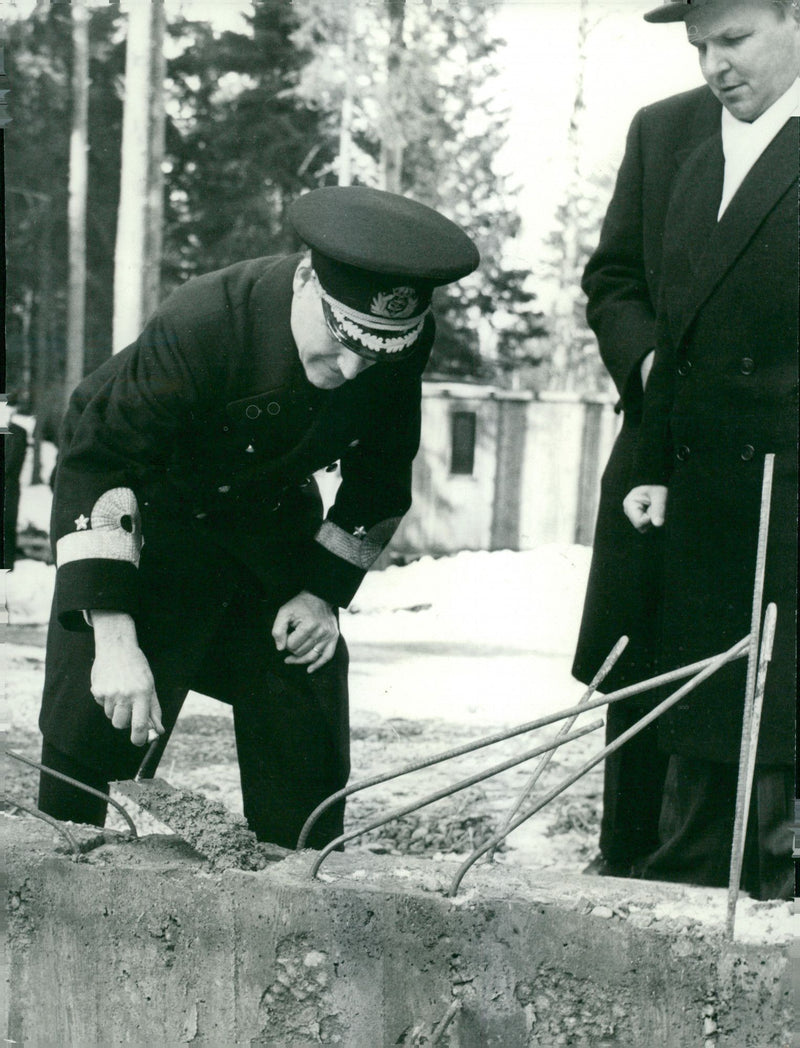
(721, 395)
(190, 546)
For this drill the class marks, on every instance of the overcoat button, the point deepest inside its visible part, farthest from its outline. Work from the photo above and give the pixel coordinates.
(273, 408)
(748, 365)
(354, 443)
(252, 411)
(684, 368)
(682, 453)
(747, 452)
(223, 489)
(200, 516)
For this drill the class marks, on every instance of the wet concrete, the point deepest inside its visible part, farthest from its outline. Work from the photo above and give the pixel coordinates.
(145, 943)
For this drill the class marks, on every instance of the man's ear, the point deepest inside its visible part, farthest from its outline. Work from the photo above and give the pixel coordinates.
(302, 275)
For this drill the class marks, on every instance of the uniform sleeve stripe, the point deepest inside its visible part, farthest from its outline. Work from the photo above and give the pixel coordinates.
(116, 544)
(360, 552)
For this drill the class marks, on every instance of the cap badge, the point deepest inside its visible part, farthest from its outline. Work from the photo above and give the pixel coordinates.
(396, 304)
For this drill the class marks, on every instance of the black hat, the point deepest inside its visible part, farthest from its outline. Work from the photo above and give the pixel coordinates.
(671, 11)
(377, 258)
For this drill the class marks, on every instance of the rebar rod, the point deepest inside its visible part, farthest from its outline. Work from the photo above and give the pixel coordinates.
(45, 818)
(441, 1029)
(740, 817)
(713, 666)
(501, 736)
(745, 783)
(80, 785)
(447, 791)
(541, 767)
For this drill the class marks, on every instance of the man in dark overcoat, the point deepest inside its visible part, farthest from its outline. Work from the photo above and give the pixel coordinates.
(623, 598)
(189, 538)
(722, 395)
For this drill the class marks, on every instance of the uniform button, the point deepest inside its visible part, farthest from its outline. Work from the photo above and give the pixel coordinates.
(682, 453)
(354, 443)
(223, 489)
(273, 408)
(747, 452)
(200, 516)
(748, 365)
(684, 368)
(252, 411)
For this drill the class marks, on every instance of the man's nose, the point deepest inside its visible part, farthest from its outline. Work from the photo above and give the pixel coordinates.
(351, 364)
(715, 62)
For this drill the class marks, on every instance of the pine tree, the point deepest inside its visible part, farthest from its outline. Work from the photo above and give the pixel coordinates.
(434, 98)
(242, 144)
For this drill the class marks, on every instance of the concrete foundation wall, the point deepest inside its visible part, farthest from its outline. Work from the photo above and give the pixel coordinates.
(140, 944)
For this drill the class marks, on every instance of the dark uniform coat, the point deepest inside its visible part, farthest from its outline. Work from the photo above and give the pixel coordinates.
(722, 395)
(184, 497)
(622, 282)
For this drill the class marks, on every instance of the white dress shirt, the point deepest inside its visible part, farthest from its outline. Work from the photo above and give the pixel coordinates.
(743, 143)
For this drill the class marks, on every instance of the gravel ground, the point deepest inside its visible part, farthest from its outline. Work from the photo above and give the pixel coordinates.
(201, 756)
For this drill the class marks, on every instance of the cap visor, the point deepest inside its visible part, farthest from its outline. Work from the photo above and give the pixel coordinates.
(668, 13)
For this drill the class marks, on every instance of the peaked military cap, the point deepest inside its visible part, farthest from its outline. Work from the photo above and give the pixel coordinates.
(377, 258)
(672, 11)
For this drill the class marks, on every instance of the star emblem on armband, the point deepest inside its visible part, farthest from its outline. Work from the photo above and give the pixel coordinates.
(360, 532)
(81, 523)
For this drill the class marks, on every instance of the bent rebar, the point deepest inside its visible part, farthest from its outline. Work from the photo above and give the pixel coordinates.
(407, 809)
(80, 785)
(501, 736)
(745, 780)
(441, 1029)
(541, 767)
(45, 818)
(715, 663)
(753, 668)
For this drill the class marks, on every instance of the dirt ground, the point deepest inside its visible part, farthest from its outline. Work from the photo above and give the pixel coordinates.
(201, 756)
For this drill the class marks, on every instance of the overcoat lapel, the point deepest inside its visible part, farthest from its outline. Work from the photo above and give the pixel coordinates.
(705, 123)
(700, 250)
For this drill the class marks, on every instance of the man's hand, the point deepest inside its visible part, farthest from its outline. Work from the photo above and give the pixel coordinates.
(646, 506)
(122, 682)
(306, 627)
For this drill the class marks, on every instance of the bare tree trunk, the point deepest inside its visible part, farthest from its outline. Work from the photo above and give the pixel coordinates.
(138, 243)
(564, 369)
(346, 126)
(24, 388)
(76, 211)
(43, 409)
(155, 180)
(392, 136)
